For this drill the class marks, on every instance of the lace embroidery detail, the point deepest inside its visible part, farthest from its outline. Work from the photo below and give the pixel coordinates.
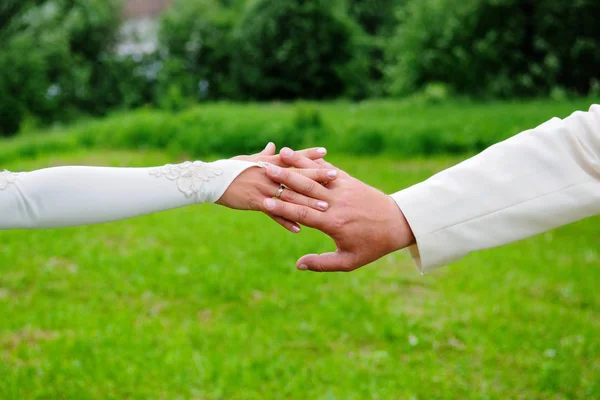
(6, 178)
(190, 176)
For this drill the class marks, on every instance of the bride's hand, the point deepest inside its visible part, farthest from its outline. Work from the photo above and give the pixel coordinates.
(269, 155)
(249, 190)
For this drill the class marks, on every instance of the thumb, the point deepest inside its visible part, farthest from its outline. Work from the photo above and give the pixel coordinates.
(269, 150)
(328, 262)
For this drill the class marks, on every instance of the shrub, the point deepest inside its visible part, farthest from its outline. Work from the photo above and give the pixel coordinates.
(364, 140)
(290, 49)
(49, 58)
(496, 47)
(376, 17)
(125, 81)
(400, 128)
(195, 38)
(308, 126)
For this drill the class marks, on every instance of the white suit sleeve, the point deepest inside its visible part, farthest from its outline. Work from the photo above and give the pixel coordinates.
(68, 196)
(533, 182)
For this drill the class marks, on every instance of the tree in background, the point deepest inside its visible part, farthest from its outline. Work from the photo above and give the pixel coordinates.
(376, 17)
(289, 49)
(58, 58)
(378, 21)
(49, 62)
(496, 48)
(196, 45)
(567, 35)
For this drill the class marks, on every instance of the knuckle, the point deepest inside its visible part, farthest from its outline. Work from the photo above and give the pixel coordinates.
(289, 195)
(280, 207)
(345, 201)
(302, 213)
(310, 186)
(339, 222)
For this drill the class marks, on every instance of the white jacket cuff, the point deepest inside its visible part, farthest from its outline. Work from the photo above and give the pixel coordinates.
(533, 182)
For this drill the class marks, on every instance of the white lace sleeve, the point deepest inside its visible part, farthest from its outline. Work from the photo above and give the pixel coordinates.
(68, 196)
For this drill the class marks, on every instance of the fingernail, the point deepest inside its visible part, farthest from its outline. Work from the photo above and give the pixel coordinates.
(269, 204)
(322, 205)
(302, 267)
(287, 152)
(322, 150)
(296, 228)
(274, 170)
(332, 173)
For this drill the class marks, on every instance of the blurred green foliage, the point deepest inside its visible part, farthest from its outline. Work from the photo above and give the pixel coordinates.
(52, 60)
(497, 48)
(377, 19)
(196, 40)
(421, 126)
(374, 16)
(59, 58)
(290, 49)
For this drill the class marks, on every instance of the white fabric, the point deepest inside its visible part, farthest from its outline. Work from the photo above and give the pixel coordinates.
(535, 181)
(68, 196)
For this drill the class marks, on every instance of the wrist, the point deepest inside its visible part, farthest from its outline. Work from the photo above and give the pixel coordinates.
(227, 175)
(400, 232)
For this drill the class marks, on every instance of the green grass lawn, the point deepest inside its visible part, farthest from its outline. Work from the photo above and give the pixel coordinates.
(205, 303)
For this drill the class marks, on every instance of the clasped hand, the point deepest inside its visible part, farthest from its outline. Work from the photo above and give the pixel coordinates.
(364, 223)
(249, 190)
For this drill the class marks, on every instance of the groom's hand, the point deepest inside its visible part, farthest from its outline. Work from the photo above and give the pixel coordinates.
(365, 223)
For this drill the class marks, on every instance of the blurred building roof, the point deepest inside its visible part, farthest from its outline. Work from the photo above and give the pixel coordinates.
(134, 9)
(139, 30)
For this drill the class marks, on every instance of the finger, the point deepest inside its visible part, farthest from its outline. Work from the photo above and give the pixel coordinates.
(296, 198)
(324, 164)
(329, 262)
(299, 162)
(299, 159)
(313, 153)
(293, 212)
(269, 150)
(321, 175)
(277, 160)
(297, 182)
(303, 158)
(289, 225)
